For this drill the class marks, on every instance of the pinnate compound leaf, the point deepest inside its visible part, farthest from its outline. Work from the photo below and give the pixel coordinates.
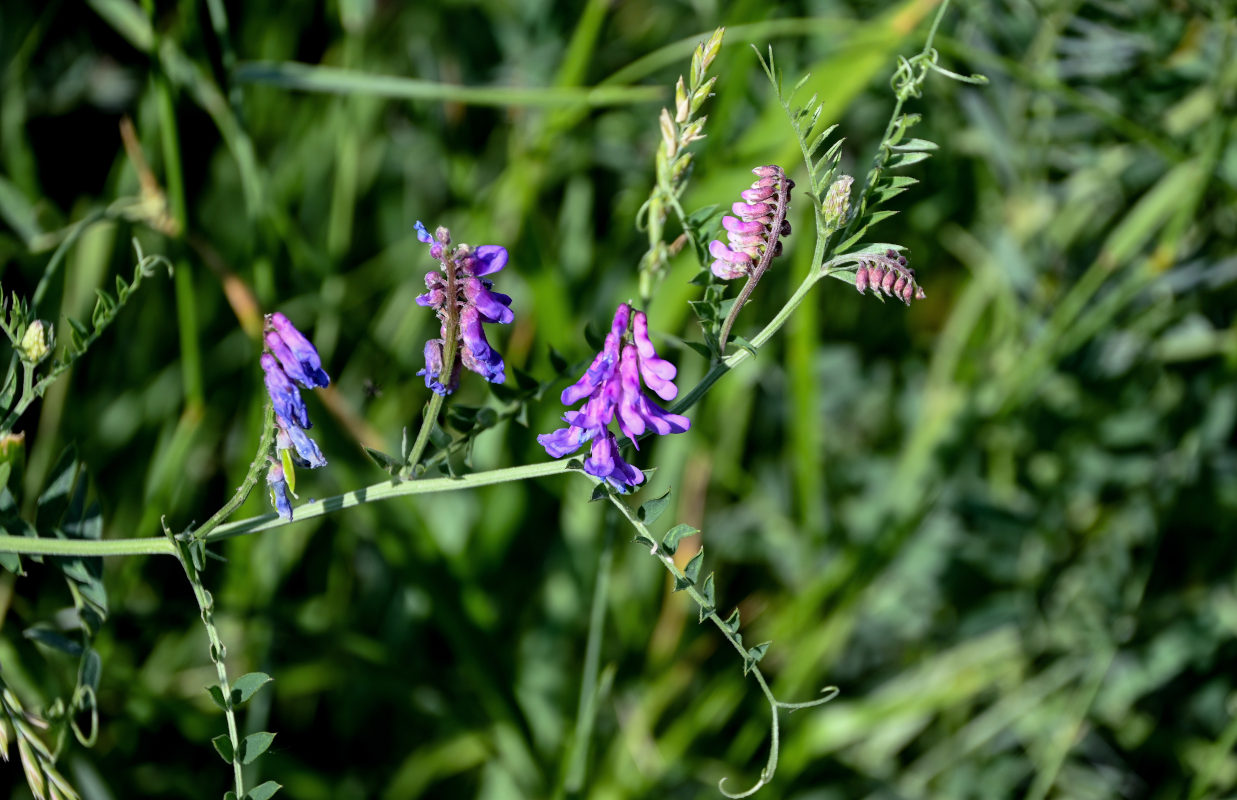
(53, 639)
(216, 694)
(254, 745)
(650, 511)
(264, 791)
(906, 159)
(912, 145)
(246, 685)
(692, 570)
(224, 746)
(710, 600)
(670, 542)
(754, 655)
(691, 573)
(388, 463)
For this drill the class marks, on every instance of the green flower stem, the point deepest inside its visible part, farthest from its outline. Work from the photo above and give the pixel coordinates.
(218, 653)
(260, 462)
(215, 530)
(423, 436)
(30, 545)
(383, 491)
(710, 613)
(743, 354)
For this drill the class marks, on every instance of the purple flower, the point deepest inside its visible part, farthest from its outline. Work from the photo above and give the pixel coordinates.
(306, 452)
(433, 370)
(476, 353)
(278, 486)
(298, 357)
(463, 299)
(291, 358)
(605, 462)
(284, 395)
(612, 387)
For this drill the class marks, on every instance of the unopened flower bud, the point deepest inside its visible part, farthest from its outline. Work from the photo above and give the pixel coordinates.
(682, 104)
(35, 345)
(669, 134)
(837, 201)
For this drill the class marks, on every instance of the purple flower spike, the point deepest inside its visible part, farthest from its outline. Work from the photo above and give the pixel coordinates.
(291, 358)
(755, 229)
(888, 273)
(463, 299)
(309, 373)
(612, 388)
(278, 486)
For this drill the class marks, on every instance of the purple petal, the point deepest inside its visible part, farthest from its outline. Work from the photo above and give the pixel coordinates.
(603, 364)
(306, 449)
(751, 211)
(727, 271)
(657, 372)
(490, 258)
(423, 235)
(720, 251)
(487, 302)
(566, 441)
(301, 350)
(605, 463)
(736, 225)
(278, 486)
(477, 355)
(433, 369)
(283, 393)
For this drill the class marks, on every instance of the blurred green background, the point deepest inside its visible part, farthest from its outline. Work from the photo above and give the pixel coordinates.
(1001, 520)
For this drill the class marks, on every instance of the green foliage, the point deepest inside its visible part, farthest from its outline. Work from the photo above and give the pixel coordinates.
(996, 520)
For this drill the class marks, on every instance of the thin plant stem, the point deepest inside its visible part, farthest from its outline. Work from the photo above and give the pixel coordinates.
(709, 612)
(388, 489)
(432, 408)
(218, 652)
(260, 461)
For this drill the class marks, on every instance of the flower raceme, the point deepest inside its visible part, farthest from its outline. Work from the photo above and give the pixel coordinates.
(463, 298)
(755, 234)
(290, 360)
(888, 272)
(611, 386)
(756, 229)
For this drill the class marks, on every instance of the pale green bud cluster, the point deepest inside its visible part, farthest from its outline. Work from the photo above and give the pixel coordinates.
(35, 344)
(837, 201)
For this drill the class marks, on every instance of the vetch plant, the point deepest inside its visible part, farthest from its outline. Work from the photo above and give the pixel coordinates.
(612, 389)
